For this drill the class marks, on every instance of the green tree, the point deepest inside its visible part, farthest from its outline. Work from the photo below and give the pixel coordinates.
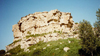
(97, 25)
(86, 34)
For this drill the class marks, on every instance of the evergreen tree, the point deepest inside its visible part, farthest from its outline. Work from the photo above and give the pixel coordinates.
(97, 25)
(86, 34)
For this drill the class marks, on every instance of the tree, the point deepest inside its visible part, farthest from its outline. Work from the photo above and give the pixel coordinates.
(2, 52)
(86, 34)
(97, 25)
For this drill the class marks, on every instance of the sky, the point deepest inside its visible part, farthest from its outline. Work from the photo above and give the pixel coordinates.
(11, 12)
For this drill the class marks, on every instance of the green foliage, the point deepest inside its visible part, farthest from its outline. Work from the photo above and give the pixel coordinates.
(36, 35)
(76, 23)
(15, 50)
(22, 54)
(28, 32)
(57, 31)
(15, 42)
(86, 34)
(97, 26)
(50, 51)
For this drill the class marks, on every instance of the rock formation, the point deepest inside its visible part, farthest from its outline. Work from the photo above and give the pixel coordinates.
(41, 23)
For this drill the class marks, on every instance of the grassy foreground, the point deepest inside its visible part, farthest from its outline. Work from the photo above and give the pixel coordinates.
(52, 48)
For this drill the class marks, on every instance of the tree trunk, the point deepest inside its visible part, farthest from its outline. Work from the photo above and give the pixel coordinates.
(92, 53)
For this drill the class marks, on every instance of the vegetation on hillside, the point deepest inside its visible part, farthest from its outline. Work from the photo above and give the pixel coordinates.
(28, 32)
(55, 48)
(15, 42)
(15, 51)
(97, 26)
(36, 35)
(57, 31)
(86, 34)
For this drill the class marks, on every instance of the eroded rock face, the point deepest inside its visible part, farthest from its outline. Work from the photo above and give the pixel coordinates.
(16, 32)
(41, 22)
(40, 19)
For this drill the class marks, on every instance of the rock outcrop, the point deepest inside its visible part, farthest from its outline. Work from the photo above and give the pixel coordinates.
(41, 23)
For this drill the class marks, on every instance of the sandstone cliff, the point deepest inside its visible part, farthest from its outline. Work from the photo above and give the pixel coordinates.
(42, 26)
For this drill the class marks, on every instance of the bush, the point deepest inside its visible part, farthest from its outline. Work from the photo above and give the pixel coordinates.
(2, 51)
(76, 23)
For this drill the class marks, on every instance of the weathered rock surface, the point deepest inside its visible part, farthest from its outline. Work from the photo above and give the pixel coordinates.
(39, 23)
(66, 49)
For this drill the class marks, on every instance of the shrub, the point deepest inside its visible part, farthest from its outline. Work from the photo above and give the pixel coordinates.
(2, 51)
(76, 23)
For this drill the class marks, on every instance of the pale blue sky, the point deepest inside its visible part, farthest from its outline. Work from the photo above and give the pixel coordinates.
(11, 12)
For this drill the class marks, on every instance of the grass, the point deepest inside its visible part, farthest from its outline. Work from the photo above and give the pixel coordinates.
(15, 50)
(50, 50)
(57, 31)
(15, 42)
(61, 34)
(36, 35)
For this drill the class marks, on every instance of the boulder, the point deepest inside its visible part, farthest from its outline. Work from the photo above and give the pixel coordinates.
(66, 49)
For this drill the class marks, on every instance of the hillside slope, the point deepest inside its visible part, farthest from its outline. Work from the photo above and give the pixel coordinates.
(52, 48)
